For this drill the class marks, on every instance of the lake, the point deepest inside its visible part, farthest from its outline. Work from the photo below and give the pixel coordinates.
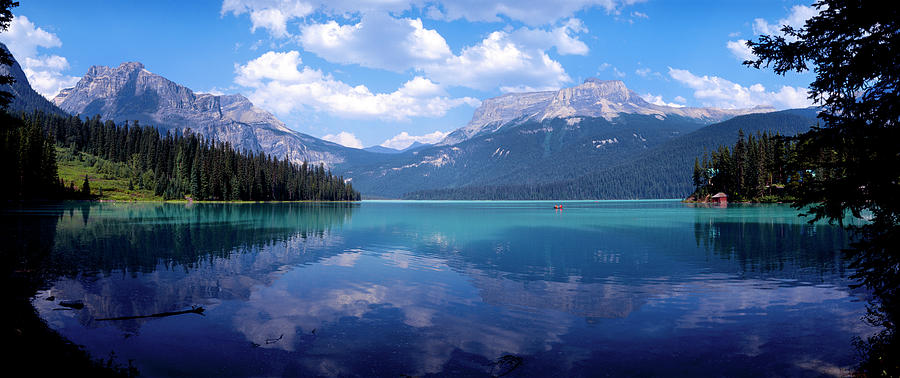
(391, 288)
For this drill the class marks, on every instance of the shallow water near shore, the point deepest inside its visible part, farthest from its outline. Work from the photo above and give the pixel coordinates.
(387, 288)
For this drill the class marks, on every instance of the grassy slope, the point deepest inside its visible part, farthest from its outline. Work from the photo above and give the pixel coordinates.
(112, 178)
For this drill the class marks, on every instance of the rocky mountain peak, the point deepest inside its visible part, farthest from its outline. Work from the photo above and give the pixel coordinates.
(131, 66)
(123, 69)
(129, 92)
(593, 98)
(599, 81)
(595, 91)
(605, 86)
(613, 90)
(97, 71)
(107, 82)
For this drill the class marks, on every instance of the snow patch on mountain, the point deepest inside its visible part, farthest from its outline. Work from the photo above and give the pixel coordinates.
(593, 98)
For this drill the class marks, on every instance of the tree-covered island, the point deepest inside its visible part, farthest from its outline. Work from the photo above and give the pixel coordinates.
(758, 168)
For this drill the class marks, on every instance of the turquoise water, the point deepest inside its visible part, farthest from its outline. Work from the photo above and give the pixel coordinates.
(618, 288)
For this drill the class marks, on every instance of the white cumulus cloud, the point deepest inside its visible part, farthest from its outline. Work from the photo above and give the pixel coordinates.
(272, 15)
(512, 61)
(377, 41)
(498, 62)
(531, 12)
(404, 140)
(562, 38)
(719, 92)
(658, 100)
(44, 72)
(279, 83)
(509, 60)
(796, 18)
(740, 49)
(345, 139)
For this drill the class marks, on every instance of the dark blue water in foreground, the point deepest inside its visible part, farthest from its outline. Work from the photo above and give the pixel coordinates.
(619, 288)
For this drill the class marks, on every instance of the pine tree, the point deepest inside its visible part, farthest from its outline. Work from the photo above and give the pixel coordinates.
(86, 187)
(696, 176)
(852, 46)
(6, 58)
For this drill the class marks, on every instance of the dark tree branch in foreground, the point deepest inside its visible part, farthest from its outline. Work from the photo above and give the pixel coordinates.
(853, 46)
(6, 57)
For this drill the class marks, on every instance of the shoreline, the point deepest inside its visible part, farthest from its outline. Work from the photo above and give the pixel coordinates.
(707, 199)
(36, 201)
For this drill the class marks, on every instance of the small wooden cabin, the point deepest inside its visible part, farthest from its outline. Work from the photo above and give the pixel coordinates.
(719, 198)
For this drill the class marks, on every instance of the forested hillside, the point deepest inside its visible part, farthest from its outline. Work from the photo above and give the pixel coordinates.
(28, 160)
(171, 166)
(663, 171)
(529, 153)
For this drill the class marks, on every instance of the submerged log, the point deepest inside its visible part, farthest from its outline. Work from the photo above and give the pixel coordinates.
(77, 305)
(273, 341)
(193, 310)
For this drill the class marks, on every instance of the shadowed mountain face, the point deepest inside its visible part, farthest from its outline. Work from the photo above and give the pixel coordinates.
(382, 150)
(131, 93)
(25, 99)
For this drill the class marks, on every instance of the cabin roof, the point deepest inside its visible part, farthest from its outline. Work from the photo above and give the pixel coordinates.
(720, 195)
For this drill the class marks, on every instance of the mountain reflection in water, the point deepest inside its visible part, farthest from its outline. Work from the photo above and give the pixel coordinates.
(391, 288)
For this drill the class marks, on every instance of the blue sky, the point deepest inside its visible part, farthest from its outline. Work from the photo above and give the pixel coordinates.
(393, 71)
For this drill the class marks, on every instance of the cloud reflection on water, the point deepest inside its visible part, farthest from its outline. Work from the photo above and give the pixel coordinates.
(416, 300)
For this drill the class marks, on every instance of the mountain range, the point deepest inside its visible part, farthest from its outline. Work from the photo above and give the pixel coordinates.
(522, 144)
(129, 92)
(661, 171)
(538, 138)
(593, 98)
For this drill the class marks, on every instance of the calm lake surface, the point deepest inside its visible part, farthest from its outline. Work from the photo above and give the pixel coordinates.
(617, 288)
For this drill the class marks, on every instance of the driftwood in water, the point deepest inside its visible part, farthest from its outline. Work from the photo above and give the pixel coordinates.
(77, 305)
(193, 310)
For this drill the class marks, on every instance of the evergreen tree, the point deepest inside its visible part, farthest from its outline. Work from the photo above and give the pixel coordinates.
(86, 187)
(757, 180)
(172, 165)
(698, 173)
(6, 58)
(854, 158)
